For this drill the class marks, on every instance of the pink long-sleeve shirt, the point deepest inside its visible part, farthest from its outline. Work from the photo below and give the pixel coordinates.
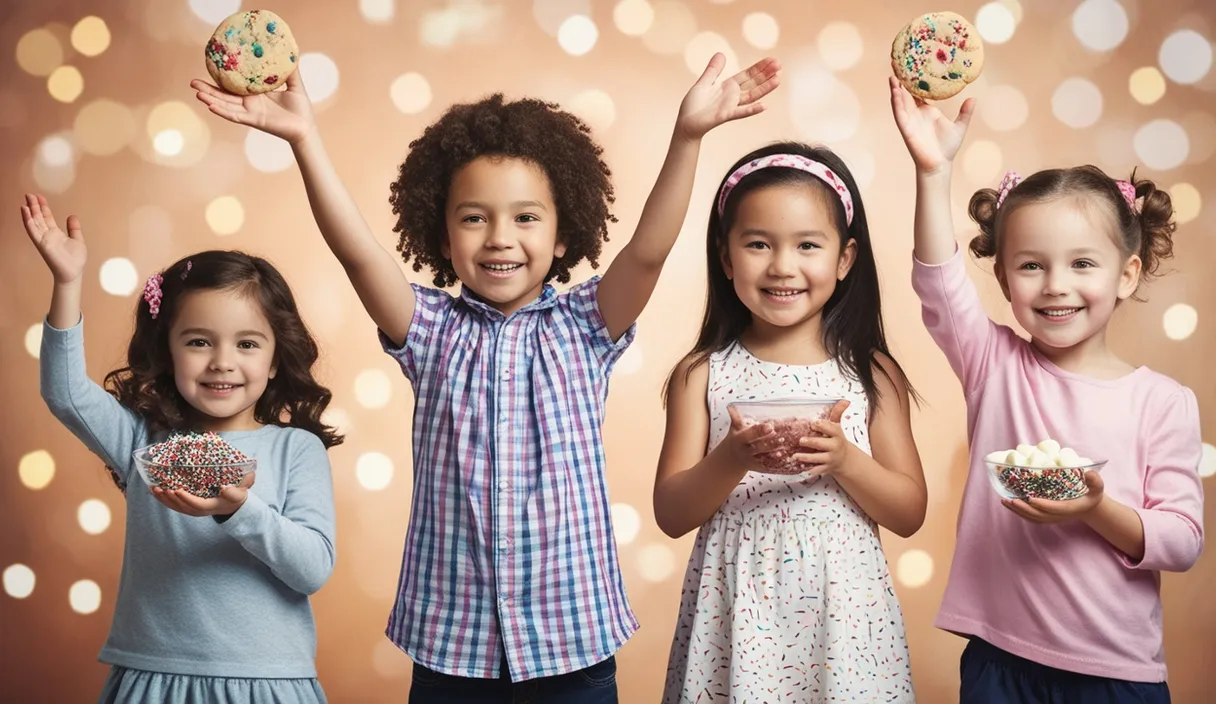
(1060, 595)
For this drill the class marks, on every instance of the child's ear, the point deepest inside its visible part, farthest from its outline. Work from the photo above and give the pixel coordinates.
(726, 265)
(559, 250)
(847, 258)
(999, 271)
(1129, 280)
(445, 246)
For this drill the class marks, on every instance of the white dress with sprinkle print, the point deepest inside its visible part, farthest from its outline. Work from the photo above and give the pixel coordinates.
(787, 597)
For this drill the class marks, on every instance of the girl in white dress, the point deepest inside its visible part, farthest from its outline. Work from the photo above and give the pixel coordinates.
(787, 596)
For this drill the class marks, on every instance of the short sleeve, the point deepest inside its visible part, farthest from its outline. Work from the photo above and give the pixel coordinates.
(431, 309)
(1172, 513)
(581, 303)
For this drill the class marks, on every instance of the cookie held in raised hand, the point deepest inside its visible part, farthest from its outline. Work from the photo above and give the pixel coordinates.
(252, 52)
(936, 55)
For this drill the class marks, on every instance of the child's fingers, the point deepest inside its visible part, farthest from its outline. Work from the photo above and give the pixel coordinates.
(74, 228)
(47, 216)
(838, 410)
(746, 111)
(35, 220)
(756, 432)
(711, 73)
(736, 420)
(214, 92)
(965, 113)
(221, 109)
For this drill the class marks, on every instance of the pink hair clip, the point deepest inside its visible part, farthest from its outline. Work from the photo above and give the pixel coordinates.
(1128, 189)
(152, 294)
(1011, 180)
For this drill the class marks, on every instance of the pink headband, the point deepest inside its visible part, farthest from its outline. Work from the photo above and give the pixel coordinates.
(1012, 179)
(790, 161)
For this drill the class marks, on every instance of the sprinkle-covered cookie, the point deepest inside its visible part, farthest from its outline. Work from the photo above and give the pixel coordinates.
(252, 52)
(937, 55)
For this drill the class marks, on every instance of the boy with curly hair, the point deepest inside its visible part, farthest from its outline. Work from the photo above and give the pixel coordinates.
(510, 583)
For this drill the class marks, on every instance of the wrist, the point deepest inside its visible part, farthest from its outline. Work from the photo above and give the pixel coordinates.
(848, 464)
(683, 137)
(942, 173)
(309, 141)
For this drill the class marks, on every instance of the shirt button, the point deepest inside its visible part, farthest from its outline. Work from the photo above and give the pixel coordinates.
(504, 545)
(504, 484)
(506, 374)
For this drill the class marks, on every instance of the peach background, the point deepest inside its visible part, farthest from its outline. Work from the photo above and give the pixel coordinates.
(144, 208)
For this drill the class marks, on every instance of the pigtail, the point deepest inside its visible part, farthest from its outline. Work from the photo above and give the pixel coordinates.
(982, 210)
(1156, 216)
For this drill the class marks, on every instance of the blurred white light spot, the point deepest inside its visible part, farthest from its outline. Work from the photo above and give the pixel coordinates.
(1187, 202)
(630, 361)
(377, 11)
(320, 74)
(1185, 56)
(54, 179)
(84, 596)
(373, 389)
(995, 23)
(55, 151)
(656, 562)
(119, 277)
(595, 107)
(266, 152)
(336, 418)
(411, 93)
(1004, 108)
(1180, 321)
(674, 25)
(93, 516)
(982, 162)
(840, 45)
(33, 339)
(440, 28)
(761, 30)
(18, 581)
(550, 14)
(214, 11)
(1207, 464)
(225, 215)
(633, 17)
(1161, 144)
(1146, 84)
(36, 469)
(577, 35)
(914, 568)
(862, 165)
(91, 36)
(168, 142)
(1077, 103)
(1100, 25)
(625, 523)
(702, 47)
(374, 471)
(822, 107)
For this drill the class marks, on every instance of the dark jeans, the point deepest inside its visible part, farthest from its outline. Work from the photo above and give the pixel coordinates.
(992, 676)
(591, 685)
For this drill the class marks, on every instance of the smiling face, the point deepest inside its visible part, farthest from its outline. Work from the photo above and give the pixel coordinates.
(784, 254)
(502, 230)
(1062, 272)
(222, 348)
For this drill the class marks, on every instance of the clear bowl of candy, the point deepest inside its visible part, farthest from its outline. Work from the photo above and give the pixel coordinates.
(791, 420)
(198, 463)
(1043, 471)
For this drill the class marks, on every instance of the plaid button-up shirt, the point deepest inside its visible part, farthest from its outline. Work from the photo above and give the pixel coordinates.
(510, 546)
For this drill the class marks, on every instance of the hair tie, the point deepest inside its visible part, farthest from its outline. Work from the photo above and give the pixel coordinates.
(791, 161)
(152, 294)
(1128, 189)
(1008, 183)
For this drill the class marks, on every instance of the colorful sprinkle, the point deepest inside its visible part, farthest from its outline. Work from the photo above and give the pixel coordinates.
(199, 463)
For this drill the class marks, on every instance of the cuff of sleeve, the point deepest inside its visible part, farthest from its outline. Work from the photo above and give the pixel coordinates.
(958, 254)
(247, 518)
(54, 333)
(1157, 525)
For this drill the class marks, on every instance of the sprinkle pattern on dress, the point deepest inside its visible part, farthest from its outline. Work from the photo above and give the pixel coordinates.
(787, 596)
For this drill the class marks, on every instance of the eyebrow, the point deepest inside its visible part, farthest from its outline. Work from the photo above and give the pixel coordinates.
(765, 233)
(206, 332)
(474, 205)
(1082, 252)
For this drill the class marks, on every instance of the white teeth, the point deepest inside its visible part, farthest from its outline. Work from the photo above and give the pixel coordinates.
(1059, 313)
(782, 294)
(502, 267)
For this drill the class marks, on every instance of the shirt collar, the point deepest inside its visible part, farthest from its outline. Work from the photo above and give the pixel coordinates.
(546, 299)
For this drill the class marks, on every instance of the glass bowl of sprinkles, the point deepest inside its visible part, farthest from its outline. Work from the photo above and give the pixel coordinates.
(198, 463)
(1051, 483)
(791, 420)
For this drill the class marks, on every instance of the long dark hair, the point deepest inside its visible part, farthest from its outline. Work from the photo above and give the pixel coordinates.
(293, 398)
(852, 317)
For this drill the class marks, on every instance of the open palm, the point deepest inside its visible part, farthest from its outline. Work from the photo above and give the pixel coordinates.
(64, 253)
(932, 138)
(710, 103)
(283, 113)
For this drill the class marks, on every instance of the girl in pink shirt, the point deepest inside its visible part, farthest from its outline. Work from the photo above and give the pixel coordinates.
(1060, 599)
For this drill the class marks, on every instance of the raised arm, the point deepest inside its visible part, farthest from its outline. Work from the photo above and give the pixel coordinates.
(933, 140)
(691, 485)
(378, 280)
(630, 280)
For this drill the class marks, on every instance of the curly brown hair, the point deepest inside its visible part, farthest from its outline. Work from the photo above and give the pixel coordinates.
(1146, 230)
(529, 129)
(293, 398)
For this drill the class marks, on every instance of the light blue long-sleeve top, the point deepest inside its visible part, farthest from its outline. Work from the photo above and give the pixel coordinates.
(199, 597)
